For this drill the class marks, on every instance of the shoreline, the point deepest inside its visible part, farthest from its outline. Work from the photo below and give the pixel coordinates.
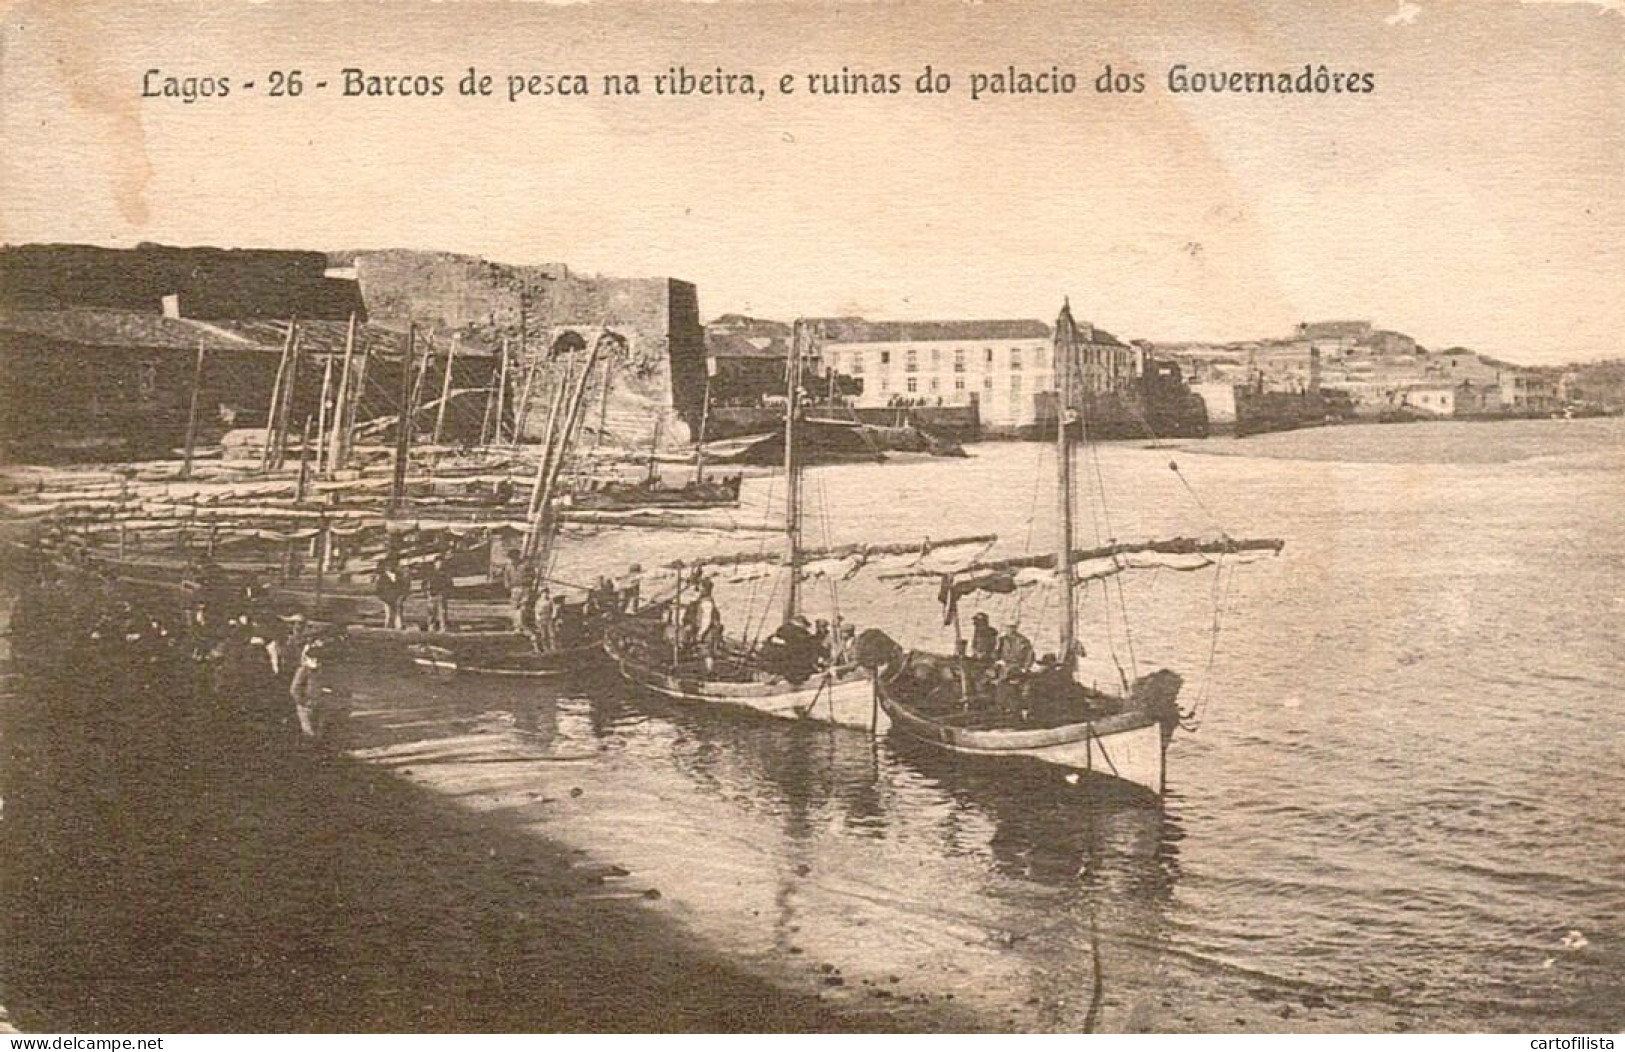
(171, 870)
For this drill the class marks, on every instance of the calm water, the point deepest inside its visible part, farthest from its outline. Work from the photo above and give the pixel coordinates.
(1403, 795)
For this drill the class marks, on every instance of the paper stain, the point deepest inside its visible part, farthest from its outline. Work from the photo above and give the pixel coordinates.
(73, 42)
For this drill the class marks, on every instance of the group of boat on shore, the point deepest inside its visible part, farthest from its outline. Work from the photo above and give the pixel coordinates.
(662, 631)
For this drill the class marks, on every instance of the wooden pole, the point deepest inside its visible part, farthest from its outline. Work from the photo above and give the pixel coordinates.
(303, 485)
(355, 406)
(677, 619)
(324, 417)
(323, 540)
(274, 407)
(792, 475)
(339, 427)
(491, 396)
(423, 375)
(521, 409)
(1065, 348)
(603, 407)
(544, 464)
(191, 414)
(445, 392)
(403, 433)
(543, 528)
(286, 409)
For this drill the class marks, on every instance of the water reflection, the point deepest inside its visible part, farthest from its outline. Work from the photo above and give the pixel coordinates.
(1092, 835)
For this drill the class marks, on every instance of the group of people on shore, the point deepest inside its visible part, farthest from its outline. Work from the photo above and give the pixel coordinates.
(393, 586)
(218, 647)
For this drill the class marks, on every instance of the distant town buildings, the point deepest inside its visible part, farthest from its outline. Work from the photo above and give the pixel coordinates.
(1381, 372)
(745, 359)
(98, 351)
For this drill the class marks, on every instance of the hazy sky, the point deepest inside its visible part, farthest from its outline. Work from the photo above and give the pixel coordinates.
(1476, 197)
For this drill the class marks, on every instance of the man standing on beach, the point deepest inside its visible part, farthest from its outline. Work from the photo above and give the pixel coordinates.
(306, 691)
(391, 588)
(437, 585)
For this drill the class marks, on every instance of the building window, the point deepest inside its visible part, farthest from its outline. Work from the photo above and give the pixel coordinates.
(933, 383)
(1015, 385)
(936, 357)
(959, 361)
(885, 357)
(1038, 357)
(959, 383)
(913, 385)
(885, 385)
(1015, 357)
(857, 364)
(987, 383)
(912, 364)
(987, 355)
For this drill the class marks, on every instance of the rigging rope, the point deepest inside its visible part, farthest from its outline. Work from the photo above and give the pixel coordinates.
(1173, 465)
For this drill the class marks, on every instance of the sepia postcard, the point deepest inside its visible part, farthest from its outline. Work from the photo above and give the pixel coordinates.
(904, 516)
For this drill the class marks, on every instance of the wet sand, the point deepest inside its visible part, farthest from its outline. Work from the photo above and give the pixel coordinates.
(209, 872)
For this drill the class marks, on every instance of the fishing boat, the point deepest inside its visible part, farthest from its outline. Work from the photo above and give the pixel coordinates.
(504, 660)
(652, 493)
(541, 651)
(739, 674)
(973, 706)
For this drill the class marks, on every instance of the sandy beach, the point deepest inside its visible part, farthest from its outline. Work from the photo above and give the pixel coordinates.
(173, 868)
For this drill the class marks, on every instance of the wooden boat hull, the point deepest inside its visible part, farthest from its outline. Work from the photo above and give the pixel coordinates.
(840, 699)
(446, 662)
(397, 642)
(1130, 747)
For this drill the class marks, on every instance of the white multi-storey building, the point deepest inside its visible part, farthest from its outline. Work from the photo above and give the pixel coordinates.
(997, 366)
(1003, 367)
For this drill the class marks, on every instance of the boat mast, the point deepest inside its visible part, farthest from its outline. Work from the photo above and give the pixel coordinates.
(275, 405)
(191, 412)
(339, 425)
(603, 407)
(403, 431)
(543, 521)
(445, 391)
(792, 471)
(1065, 347)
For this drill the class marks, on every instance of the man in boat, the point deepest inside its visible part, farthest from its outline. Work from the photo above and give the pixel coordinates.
(566, 621)
(707, 622)
(535, 611)
(391, 589)
(631, 587)
(437, 585)
(793, 651)
(984, 640)
(603, 600)
(1014, 654)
